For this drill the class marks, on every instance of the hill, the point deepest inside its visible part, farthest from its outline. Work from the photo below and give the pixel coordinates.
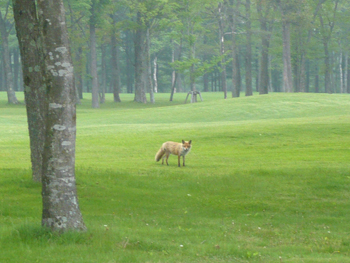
(267, 180)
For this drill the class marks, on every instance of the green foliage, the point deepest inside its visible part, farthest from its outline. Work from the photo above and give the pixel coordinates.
(267, 180)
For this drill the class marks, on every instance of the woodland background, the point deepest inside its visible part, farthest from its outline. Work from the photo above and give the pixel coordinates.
(172, 46)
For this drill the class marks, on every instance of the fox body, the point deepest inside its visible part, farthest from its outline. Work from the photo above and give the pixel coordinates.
(175, 148)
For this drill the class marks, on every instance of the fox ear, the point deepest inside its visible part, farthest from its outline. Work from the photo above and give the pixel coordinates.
(190, 141)
(183, 142)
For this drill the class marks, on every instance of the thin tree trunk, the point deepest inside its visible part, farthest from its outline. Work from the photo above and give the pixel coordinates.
(129, 68)
(79, 76)
(317, 87)
(140, 66)
(11, 95)
(341, 80)
(177, 79)
(61, 210)
(192, 75)
(348, 75)
(155, 79)
(206, 82)
(16, 70)
(93, 61)
(248, 58)
(148, 70)
(265, 42)
(327, 72)
(233, 26)
(222, 64)
(115, 63)
(115, 68)
(287, 64)
(346, 72)
(102, 93)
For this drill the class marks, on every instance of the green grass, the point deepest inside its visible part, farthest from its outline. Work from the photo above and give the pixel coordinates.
(267, 180)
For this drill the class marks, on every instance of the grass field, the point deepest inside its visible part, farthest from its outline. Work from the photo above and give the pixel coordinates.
(267, 180)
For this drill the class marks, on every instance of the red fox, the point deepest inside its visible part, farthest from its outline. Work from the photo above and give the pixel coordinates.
(179, 149)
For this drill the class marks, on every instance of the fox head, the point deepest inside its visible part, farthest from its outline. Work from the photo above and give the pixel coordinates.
(186, 145)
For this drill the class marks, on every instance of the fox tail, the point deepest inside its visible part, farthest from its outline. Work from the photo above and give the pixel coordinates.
(160, 154)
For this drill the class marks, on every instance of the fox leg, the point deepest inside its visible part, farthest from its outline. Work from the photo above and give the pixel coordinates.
(167, 156)
(163, 159)
(178, 160)
(183, 158)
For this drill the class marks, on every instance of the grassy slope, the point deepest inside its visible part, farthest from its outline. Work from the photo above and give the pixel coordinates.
(268, 177)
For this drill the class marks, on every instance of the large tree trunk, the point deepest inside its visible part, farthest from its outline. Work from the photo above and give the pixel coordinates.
(60, 202)
(11, 96)
(93, 61)
(32, 57)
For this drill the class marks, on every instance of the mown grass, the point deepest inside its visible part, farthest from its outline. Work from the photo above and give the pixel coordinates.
(267, 180)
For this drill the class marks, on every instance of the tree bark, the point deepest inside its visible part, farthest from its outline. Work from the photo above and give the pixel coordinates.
(129, 68)
(248, 58)
(348, 75)
(148, 71)
(176, 74)
(93, 61)
(115, 63)
(287, 60)
(32, 57)
(345, 72)
(233, 26)
(140, 67)
(16, 70)
(265, 43)
(102, 91)
(60, 202)
(155, 79)
(222, 64)
(11, 95)
(78, 74)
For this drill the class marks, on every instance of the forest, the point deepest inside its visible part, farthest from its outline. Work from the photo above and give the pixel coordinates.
(233, 46)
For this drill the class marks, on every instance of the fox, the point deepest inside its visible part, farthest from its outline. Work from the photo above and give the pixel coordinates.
(175, 148)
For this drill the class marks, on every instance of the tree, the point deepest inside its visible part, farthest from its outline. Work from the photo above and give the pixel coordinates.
(222, 63)
(93, 56)
(327, 22)
(233, 14)
(115, 59)
(5, 31)
(140, 62)
(60, 204)
(30, 43)
(248, 60)
(286, 7)
(266, 23)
